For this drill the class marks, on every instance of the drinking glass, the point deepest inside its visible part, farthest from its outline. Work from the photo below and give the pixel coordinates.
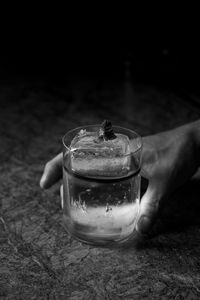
(102, 209)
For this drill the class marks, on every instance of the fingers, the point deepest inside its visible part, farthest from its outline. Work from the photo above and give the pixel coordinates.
(52, 172)
(148, 210)
(61, 196)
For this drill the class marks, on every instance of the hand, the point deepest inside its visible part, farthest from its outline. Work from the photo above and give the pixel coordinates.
(168, 160)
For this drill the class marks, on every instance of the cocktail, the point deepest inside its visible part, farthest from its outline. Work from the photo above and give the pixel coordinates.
(101, 180)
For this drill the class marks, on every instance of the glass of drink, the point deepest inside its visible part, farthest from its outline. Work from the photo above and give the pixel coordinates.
(101, 181)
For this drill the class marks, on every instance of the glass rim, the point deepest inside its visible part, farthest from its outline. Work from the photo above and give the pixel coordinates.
(98, 125)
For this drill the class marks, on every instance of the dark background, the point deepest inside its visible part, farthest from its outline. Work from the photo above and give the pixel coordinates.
(166, 56)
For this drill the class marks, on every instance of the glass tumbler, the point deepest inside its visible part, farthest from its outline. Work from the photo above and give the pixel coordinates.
(102, 209)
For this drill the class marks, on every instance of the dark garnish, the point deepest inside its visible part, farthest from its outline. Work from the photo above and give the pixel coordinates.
(106, 131)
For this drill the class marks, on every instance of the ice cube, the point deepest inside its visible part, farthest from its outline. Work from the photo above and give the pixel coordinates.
(91, 155)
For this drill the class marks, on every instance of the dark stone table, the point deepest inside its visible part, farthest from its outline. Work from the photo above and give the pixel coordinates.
(38, 259)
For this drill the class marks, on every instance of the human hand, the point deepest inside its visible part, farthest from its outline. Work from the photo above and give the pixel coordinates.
(168, 160)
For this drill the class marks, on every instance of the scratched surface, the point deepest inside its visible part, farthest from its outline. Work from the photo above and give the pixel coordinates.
(38, 259)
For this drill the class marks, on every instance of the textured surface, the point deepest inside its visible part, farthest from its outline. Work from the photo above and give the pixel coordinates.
(38, 259)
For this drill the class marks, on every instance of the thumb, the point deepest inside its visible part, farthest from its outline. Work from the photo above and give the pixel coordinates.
(61, 196)
(52, 172)
(148, 209)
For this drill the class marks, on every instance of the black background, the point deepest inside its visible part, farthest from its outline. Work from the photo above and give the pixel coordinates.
(163, 51)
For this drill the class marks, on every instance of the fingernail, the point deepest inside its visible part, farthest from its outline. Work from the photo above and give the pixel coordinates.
(42, 181)
(143, 224)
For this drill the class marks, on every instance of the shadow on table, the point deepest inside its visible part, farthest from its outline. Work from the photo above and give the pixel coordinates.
(181, 210)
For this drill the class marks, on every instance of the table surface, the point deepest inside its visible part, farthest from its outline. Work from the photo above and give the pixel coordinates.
(38, 259)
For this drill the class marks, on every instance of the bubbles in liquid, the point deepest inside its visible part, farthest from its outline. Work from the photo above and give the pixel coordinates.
(106, 210)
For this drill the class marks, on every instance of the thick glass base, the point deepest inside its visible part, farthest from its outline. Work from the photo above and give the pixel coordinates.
(103, 240)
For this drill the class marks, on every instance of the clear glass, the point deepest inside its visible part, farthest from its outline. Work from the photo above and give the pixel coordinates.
(102, 210)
